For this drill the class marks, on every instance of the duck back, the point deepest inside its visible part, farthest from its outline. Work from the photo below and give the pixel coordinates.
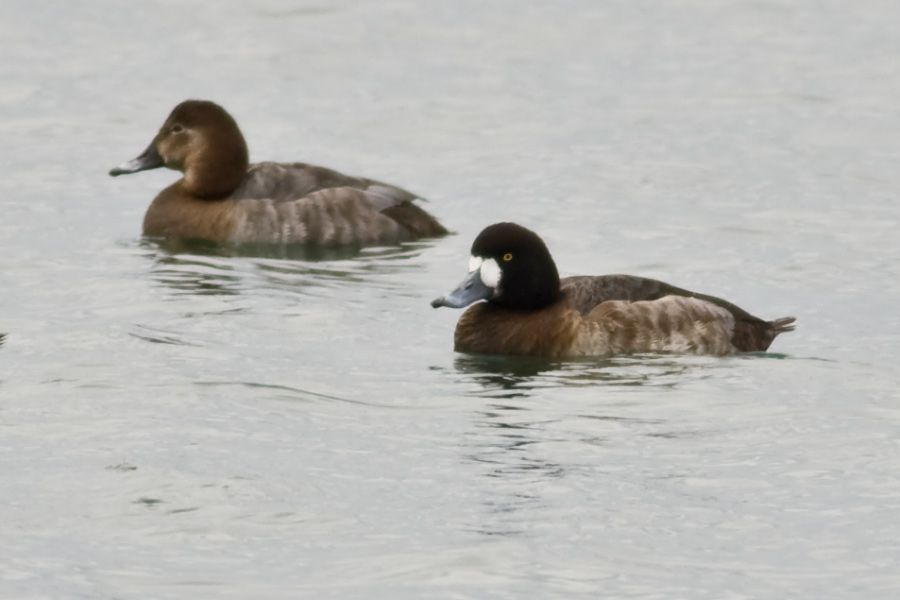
(750, 333)
(290, 182)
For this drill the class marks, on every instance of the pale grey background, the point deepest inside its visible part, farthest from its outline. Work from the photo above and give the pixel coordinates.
(210, 427)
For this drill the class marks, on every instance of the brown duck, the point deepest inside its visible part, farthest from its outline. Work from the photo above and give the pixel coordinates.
(223, 198)
(529, 310)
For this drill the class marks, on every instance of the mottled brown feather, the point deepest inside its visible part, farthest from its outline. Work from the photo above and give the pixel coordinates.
(751, 333)
(488, 329)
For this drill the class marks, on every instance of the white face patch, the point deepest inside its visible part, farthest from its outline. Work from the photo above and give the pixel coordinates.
(475, 263)
(490, 273)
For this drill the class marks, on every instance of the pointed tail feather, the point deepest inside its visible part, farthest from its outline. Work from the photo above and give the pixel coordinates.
(757, 335)
(781, 325)
(415, 220)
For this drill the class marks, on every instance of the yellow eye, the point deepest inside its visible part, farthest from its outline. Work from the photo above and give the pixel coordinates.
(507, 257)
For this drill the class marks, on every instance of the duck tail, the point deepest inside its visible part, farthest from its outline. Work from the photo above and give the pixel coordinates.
(415, 221)
(776, 327)
(757, 335)
(781, 325)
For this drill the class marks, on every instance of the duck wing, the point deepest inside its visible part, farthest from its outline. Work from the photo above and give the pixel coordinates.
(669, 324)
(750, 333)
(330, 217)
(291, 182)
(586, 292)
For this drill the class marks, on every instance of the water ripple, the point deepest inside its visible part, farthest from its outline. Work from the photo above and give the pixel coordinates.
(295, 393)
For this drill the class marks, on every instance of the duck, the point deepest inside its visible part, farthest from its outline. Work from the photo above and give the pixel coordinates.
(223, 198)
(518, 305)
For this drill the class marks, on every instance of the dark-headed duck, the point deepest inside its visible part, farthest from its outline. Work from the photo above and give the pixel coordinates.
(531, 311)
(223, 198)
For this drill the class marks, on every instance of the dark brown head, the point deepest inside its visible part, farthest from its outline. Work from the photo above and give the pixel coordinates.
(203, 141)
(510, 267)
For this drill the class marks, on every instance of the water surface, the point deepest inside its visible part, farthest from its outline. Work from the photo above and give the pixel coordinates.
(184, 422)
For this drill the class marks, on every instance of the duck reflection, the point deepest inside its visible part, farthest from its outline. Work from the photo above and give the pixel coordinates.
(503, 376)
(279, 251)
(2, 338)
(196, 275)
(514, 376)
(197, 267)
(526, 446)
(284, 251)
(505, 446)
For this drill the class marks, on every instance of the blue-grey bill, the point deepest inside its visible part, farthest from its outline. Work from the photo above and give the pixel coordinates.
(472, 289)
(149, 159)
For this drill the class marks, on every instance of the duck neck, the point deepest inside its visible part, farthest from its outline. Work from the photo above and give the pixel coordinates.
(217, 172)
(534, 288)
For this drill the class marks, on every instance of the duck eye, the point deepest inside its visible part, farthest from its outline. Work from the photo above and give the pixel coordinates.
(507, 257)
(177, 128)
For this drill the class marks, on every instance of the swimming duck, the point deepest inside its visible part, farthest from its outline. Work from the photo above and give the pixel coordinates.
(529, 310)
(223, 198)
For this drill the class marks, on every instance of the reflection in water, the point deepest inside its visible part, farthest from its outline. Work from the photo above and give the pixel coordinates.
(505, 445)
(513, 376)
(366, 266)
(531, 429)
(205, 268)
(185, 274)
(283, 251)
(503, 376)
(2, 338)
(518, 437)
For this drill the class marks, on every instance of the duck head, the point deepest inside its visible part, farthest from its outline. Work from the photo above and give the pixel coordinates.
(200, 139)
(510, 267)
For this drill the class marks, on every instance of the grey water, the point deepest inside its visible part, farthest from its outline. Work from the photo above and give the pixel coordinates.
(182, 423)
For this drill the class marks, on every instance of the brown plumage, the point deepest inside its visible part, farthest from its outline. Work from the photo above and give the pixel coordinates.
(222, 198)
(530, 311)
